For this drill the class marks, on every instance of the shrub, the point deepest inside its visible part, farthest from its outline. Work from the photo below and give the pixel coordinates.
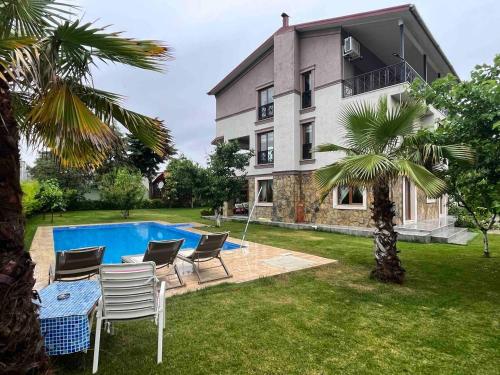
(123, 188)
(50, 197)
(31, 205)
(207, 212)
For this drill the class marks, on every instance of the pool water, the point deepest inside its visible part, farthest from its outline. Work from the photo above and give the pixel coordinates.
(123, 239)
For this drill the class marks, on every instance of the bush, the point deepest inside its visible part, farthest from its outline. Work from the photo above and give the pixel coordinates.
(123, 189)
(207, 212)
(153, 203)
(50, 197)
(31, 205)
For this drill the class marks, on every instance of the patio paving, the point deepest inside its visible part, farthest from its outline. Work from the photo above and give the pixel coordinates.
(254, 262)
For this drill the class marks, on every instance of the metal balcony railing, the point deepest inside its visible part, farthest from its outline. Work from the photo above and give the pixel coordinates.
(265, 157)
(380, 78)
(266, 111)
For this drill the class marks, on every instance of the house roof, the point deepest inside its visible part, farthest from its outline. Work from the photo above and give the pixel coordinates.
(404, 10)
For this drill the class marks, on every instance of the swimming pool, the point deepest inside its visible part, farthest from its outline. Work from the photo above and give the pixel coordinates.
(123, 239)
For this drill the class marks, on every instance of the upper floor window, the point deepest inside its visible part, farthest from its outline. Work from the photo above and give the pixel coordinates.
(266, 103)
(306, 89)
(347, 195)
(307, 141)
(265, 148)
(265, 191)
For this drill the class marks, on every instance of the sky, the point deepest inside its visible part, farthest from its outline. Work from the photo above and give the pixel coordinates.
(209, 38)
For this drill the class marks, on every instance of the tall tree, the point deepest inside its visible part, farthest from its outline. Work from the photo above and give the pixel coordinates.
(382, 145)
(473, 117)
(145, 159)
(226, 175)
(46, 94)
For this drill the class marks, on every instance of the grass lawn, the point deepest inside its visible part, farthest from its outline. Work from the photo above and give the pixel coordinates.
(330, 320)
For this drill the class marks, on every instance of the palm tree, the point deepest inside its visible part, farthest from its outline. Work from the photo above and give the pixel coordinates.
(47, 96)
(382, 145)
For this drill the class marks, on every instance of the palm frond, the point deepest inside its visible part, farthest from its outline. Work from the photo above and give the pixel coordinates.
(392, 125)
(30, 17)
(107, 106)
(61, 121)
(79, 42)
(430, 184)
(330, 147)
(357, 118)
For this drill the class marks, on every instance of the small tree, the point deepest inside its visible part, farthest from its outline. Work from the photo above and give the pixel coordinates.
(226, 175)
(473, 117)
(185, 182)
(123, 187)
(50, 197)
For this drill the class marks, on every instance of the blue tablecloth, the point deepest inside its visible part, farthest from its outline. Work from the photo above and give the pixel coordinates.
(65, 323)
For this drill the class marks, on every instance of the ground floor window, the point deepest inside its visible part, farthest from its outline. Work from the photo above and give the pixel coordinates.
(265, 187)
(349, 197)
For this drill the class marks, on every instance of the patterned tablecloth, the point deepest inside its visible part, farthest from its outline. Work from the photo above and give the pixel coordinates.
(65, 323)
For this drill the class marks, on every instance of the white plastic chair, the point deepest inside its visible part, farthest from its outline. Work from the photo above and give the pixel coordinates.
(129, 291)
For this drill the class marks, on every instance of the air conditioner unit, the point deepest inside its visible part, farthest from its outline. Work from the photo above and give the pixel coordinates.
(351, 48)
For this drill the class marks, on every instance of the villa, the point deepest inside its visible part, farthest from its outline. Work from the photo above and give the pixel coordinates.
(284, 99)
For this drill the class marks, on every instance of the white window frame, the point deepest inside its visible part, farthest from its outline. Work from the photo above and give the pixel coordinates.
(336, 205)
(256, 194)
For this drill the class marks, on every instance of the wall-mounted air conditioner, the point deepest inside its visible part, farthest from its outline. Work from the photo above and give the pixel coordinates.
(351, 48)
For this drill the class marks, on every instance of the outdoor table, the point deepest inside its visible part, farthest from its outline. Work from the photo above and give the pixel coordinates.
(65, 323)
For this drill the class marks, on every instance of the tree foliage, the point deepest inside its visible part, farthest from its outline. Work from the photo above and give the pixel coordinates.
(123, 187)
(145, 159)
(226, 174)
(185, 183)
(50, 197)
(31, 204)
(473, 117)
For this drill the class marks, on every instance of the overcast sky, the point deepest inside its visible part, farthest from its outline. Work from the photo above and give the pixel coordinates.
(209, 38)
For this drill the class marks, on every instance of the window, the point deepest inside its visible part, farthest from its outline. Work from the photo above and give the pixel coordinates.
(350, 196)
(307, 141)
(265, 147)
(265, 187)
(307, 89)
(266, 103)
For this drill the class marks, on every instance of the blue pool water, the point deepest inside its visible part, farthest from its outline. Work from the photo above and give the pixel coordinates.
(123, 239)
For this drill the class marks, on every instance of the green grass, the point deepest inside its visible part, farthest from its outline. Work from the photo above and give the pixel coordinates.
(334, 319)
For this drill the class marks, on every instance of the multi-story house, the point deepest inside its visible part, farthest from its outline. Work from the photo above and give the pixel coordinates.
(284, 99)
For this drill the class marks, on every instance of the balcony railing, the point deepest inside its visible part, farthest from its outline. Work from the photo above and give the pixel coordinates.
(266, 111)
(306, 99)
(265, 157)
(380, 78)
(307, 151)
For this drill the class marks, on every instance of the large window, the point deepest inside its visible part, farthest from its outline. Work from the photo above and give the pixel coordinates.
(307, 141)
(265, 148)
(347, 196)
(306, 89)
(265, 187)
(266, 103)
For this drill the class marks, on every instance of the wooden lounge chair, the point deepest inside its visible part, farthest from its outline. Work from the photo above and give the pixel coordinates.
(208, 248)
(76, 264)
(130, 292)
(162, 253)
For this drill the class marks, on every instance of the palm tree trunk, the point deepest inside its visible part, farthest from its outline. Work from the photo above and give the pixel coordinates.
(21, 343)
(388, 266)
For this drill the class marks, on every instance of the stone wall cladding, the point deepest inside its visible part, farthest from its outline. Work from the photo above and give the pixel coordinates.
(290, 189)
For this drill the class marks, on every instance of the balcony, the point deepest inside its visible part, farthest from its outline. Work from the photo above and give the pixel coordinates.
(306, 99)
(266, 111)
(265, 157)
(378, 79)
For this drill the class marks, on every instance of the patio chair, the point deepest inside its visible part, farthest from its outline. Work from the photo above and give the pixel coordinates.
(162, 253)
(130, 292)
(208, 248)
(76, 264)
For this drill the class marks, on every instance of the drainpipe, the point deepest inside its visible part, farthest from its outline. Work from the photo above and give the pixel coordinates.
(425, 67)
(402, 45)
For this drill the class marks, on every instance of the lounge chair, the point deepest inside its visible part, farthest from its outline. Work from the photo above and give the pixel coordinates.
(130, 291)
(208, 248)
(163, 253)
(76, 264)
